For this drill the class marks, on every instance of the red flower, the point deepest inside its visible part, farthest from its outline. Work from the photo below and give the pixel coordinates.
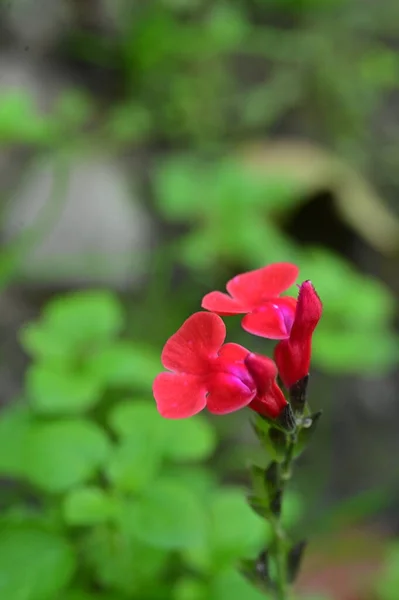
(204, 372)
(257, 293)
(293, 355)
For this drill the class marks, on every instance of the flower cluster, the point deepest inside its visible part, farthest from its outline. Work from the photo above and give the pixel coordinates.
(203, 371)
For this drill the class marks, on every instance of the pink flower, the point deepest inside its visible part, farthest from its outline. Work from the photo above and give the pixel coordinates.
(293, 355)
(204, 372)
(257, 293)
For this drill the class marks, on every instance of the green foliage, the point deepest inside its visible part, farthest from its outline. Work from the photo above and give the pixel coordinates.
(62, 454)
(34, 564)
(144, 518)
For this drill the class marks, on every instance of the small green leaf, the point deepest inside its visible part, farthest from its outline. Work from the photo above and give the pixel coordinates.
(42, 342)
(230, 584)
(189, 588)
(355, 350)
(62, 454)
(15, 423)
(125, 364)
(306, 432)
(122, 563)
(168, 516)
(34, 564)
(131, 416)
(236, 531)
(85, 317)
(55, 391)
(87, 506)
(292, 509)
(189, 439)
(134, 463)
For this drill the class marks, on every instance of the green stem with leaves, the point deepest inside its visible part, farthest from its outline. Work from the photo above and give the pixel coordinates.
(279, 544)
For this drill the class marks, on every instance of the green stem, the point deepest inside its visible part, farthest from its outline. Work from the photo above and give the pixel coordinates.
(279, 545)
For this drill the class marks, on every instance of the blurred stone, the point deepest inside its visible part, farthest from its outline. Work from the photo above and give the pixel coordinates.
(37, 24)
(89, 226)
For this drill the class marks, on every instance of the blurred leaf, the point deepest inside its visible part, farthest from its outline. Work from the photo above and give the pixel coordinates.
(34, 564)
(62, 454)
(236, 531)
(15, 422)
(230, 584)
(85, 317)
(44, 343)
(168, 516)
(125, 364)
(190, 589)
(348, 351)
(352, 298)
(189, 439)
(131, 416)
(134, 463)
(54, 391)
(20, 121)
(177, 187)
(227, 25)
(87, 506)
(388, 580)
(292, 510)
(121, 563)
(198, 479)
(73, 109)
(129, 122)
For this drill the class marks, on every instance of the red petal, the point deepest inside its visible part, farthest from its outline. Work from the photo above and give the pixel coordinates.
(179, 396)
(233, 353)
(254, 287)
(308, 312)
(223, 304)
(268, 322)
(263, 371)
(197, 341)
(227, 393)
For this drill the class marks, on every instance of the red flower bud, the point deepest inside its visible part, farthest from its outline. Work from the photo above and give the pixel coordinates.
(293, 355)
(269, 400)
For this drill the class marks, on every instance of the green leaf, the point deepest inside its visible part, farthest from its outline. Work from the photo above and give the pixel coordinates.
(122, 563)
(34, 564)
(125, 364)
(230, 584)
(189, 588)
(189, 439)
(388, 580)
(55, 391)
(176, 186)
(88, 505)
(167, 516)
(135, 462)
(131, 416)
(44, 343)
(353, 351)
(236, 531)
(292, 510)
(62, 454)
(15, 422)
(85, 317)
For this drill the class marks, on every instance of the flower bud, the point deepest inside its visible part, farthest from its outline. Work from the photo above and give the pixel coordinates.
(293, 355)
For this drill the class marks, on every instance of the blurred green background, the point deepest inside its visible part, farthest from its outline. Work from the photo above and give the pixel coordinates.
(149, 151)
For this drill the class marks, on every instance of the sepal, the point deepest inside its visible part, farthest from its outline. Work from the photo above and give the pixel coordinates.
(294, 560)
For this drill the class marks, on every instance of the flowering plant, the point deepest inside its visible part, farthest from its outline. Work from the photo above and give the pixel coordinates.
(204, 372)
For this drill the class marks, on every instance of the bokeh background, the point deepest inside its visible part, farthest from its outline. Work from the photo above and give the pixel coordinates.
(149, 151)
